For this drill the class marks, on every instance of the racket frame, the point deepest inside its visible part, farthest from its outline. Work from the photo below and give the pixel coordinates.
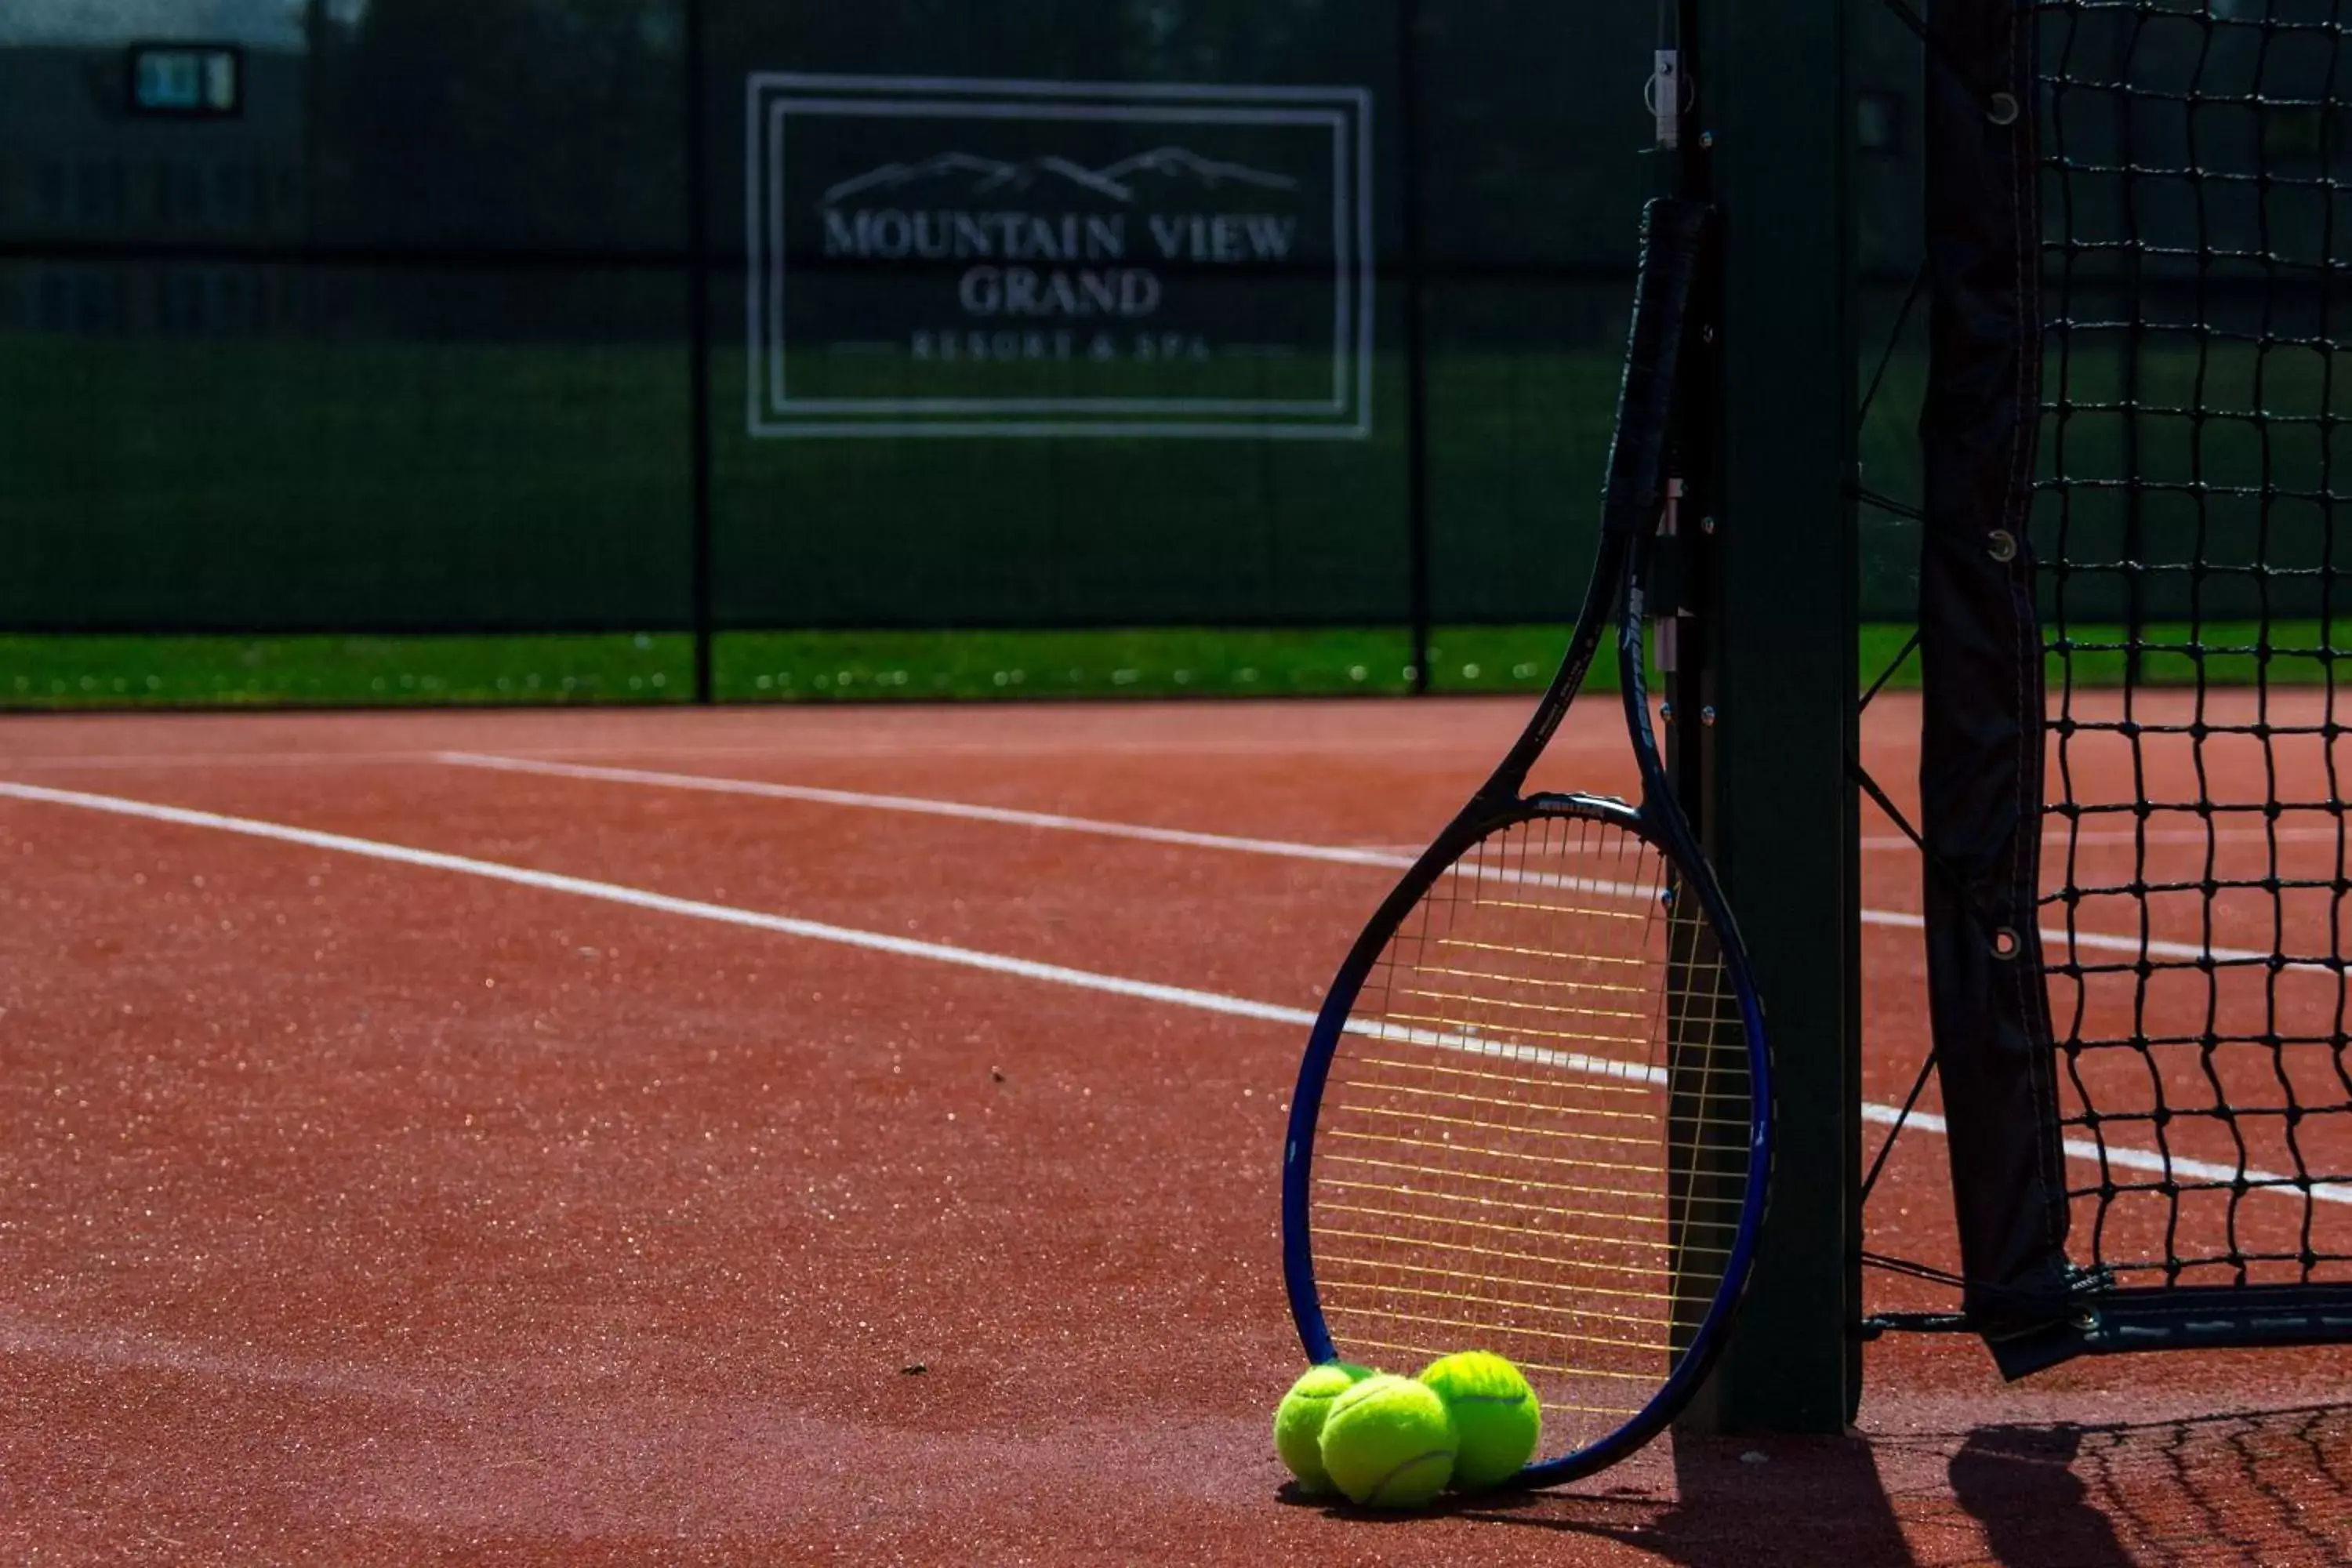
(1614, 595)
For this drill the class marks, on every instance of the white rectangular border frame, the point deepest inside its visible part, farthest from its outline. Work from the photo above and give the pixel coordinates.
(780, 401)
(978, 98)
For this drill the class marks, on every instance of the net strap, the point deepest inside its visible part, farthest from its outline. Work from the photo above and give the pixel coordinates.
(1981, 741)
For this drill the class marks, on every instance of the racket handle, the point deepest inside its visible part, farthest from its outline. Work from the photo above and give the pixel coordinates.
(1672, 230)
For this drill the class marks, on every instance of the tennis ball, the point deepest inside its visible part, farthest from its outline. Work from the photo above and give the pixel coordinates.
(1298, 1419)
(1495, 1416)
(1388, 1442)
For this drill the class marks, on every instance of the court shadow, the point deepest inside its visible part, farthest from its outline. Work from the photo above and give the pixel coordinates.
(1740, 1503)
(2267, 1489)
(2255, 1488)
(2020, 1485)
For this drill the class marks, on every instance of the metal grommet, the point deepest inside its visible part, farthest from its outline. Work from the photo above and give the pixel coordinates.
(1668, 71)
(2005, 943)
(2002, 544)
(2001, 109)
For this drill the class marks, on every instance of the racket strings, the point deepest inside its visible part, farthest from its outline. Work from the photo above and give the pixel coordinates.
(1533, 1138)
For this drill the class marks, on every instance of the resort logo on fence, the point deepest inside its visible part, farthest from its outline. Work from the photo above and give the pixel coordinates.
(934, 257)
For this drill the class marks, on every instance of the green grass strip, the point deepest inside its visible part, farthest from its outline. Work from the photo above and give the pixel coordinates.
(1880, 645)
(2224, 653)
(61, 672)
(77, 672)
(919, 666)
(820, 666)
(2094, 655)
(1505, 658)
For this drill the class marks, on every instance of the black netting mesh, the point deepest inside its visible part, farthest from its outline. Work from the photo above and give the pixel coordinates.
(2196, 190)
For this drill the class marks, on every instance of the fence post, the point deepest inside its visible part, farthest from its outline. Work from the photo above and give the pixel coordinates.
(1416, 337)
(697, 310)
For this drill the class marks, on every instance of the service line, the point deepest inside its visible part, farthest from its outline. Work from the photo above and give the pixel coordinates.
(1898, 920)
(944, 952)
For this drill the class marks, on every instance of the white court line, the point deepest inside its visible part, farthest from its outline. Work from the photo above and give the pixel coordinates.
(921, 806)
(2126, 1158)
(639, 898)
(1897, 919)
(992, 962)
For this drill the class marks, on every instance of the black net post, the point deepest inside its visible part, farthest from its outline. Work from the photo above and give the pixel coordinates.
(1774, 720)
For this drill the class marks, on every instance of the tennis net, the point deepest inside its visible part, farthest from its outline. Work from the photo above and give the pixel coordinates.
(2133, 768)
(2196, 210)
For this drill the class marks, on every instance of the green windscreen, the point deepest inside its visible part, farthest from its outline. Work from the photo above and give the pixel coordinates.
(1014, 317)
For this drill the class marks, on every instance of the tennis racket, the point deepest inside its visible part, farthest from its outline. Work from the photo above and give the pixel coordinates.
(1535, 1113)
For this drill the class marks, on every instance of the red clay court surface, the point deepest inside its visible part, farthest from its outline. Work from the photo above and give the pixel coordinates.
(567, 1202)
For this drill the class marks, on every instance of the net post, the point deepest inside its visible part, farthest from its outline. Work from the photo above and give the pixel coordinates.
(1766, 710)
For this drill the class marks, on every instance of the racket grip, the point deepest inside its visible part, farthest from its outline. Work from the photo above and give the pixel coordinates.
(1672, 232)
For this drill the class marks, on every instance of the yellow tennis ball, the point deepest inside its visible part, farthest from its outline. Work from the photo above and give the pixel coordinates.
(1388, 1442)
(1495, 1416)
(1298, 1419)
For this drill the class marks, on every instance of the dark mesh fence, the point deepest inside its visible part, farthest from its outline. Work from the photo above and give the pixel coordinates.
(398, 347)
(207, 445)
(407, 343)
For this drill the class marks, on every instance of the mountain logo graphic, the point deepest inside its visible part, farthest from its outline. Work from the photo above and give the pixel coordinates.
(1115, 181)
